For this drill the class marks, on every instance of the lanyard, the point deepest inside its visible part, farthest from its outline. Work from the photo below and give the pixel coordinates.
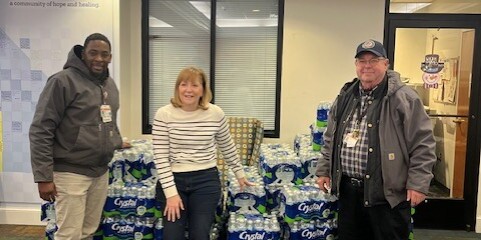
(104, 95)
(361, 110)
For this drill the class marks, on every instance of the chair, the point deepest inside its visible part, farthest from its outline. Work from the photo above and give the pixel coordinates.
(247, 134)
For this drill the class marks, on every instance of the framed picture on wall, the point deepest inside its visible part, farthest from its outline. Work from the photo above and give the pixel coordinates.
(448, 86)
(451, 87)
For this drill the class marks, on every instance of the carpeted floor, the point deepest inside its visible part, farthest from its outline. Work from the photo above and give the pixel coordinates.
(21, 232)
(428, 234)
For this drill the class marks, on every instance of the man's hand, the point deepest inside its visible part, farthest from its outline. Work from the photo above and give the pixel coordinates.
(415, 197)
(47, 191)
(324, 183)
(173, 207)
(126, 145)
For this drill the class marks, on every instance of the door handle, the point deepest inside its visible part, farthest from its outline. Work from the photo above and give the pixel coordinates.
(458, 120)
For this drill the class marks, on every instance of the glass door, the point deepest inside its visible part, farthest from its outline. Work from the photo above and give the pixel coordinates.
(437, 62)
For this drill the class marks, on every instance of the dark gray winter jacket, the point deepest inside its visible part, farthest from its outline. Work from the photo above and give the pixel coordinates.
(67, 133)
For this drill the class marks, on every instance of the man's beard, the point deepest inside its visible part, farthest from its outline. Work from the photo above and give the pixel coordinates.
(100, 76)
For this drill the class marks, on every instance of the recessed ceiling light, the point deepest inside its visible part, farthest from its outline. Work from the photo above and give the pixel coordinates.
(256, 10)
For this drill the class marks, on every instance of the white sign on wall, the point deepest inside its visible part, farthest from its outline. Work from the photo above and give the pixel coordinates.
(31, 49)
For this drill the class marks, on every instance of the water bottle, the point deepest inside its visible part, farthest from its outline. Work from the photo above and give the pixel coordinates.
(317, 139)
(158, 229)
(258, 225)
(132, 165)
(50, 230)
(47, 211)
(117, 171)
(322, 114)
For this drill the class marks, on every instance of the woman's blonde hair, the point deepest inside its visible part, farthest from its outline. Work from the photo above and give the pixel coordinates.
(191, 74)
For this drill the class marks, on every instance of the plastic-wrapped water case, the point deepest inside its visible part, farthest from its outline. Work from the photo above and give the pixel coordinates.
(311, 230)
(131, 199)
(306, 203)
(128, 228)
(253, 227)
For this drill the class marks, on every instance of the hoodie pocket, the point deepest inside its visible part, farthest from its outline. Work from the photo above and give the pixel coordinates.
(113, 140)
(88, 138)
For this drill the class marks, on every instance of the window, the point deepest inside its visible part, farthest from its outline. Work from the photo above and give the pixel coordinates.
(236, 42)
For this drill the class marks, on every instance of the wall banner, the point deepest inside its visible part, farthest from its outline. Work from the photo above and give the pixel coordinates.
(31, 49)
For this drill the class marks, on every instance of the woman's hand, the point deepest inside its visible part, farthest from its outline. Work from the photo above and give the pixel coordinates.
(243, 183)
(173, 207)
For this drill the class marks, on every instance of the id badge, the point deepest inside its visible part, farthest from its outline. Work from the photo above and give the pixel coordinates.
(350, 140)
(106, 113)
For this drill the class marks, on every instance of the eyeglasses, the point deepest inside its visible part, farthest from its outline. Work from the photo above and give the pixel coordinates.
(372, 62)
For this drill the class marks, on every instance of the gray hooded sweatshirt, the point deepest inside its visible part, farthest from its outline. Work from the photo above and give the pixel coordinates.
(67, 132)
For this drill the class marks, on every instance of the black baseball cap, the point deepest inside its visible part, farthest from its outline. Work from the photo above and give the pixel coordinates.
(372, 46)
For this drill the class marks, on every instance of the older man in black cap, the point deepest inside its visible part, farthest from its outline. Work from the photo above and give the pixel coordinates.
(379, 150)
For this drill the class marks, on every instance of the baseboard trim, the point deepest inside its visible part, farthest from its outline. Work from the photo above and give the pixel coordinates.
(18, 216)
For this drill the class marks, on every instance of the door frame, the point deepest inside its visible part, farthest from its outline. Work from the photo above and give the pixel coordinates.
(449, 213)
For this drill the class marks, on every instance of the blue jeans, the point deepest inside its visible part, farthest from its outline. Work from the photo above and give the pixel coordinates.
(200, 193)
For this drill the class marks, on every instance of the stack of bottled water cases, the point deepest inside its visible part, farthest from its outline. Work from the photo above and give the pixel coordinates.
(302, 142)
(305, 203)
(48, 215)
(131, 211)
(307, 156)
(312, 230)
(216, 230)
(281, 166)
(253, 227)
(252, 199)
(309, 161)
(318, 129)
(133, 165)
(218, 227)
(308, 213)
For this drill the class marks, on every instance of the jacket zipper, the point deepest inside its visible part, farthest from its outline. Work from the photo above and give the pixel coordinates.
(101, 132)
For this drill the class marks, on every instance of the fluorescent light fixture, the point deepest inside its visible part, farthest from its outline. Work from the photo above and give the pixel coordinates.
(204, 8)
(399, 7)
(155, 22)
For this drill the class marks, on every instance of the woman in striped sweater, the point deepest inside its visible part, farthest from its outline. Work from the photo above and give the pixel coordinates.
(186, 134)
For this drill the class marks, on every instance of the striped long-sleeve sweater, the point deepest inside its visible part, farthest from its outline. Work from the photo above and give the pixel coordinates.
(187, 141)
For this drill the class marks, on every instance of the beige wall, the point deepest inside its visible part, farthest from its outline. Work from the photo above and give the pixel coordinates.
(409, 53)
(130, 70)
(320, 38)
